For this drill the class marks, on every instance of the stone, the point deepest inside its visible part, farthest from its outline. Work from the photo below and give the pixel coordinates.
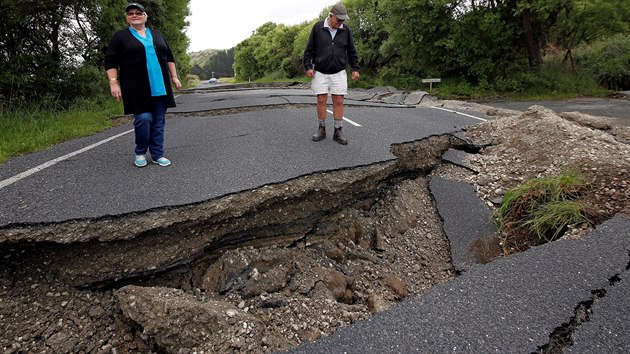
(397, 285)
(210, 281)
(376, 303)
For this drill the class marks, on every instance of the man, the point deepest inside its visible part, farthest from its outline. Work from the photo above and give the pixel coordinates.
(330, 47)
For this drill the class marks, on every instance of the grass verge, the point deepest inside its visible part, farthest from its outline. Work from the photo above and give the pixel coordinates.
(29, 129)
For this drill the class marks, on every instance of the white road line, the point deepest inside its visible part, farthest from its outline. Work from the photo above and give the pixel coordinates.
(45, 165)
(347, 120)
(36, 169)
(464, 114)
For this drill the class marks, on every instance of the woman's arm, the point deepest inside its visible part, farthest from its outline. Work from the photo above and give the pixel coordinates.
(173, 71)
(114, 86)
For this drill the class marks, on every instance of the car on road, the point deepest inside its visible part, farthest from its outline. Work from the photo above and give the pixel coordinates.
(213, 80)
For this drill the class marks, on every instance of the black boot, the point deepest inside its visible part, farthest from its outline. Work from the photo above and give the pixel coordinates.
(338, 137)
(321, 134)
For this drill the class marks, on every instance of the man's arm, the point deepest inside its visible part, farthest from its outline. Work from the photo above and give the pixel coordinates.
(309, 51)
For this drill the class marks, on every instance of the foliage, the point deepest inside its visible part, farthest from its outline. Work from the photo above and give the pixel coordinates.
(541, 209)
(37, 127)
(492, 54)
(53, 50)
(585, 21)
(608, 61)
(270, 50)
(212, 63)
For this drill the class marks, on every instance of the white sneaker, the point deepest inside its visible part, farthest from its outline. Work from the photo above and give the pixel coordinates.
(140, 161)
(162, 161)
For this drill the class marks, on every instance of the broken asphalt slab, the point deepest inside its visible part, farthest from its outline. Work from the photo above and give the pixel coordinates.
(465, 217)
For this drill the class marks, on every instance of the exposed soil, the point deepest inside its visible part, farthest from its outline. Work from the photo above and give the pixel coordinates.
(268, 269)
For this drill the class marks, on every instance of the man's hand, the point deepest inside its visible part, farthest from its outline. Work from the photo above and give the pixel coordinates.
(310, 73)
(355, 75)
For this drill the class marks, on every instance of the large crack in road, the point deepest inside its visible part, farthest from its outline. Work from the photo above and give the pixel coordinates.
(260, 270)
(100, 250)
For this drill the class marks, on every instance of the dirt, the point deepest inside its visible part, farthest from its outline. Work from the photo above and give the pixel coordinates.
(274, 267)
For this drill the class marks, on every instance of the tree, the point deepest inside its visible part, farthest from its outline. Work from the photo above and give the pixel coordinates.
(38, 48)
(418, 37)
(366, 22)
(269, 51)
(585, 21)
(53, 50)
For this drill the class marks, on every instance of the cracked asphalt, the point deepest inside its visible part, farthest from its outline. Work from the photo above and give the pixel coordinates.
(512, 305)
(213, 155)
(515, 304)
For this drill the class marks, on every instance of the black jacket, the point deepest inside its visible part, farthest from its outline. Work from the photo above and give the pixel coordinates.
(127, 54)
(328, 56)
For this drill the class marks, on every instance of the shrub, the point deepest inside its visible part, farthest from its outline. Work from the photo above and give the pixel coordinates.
(608, 61)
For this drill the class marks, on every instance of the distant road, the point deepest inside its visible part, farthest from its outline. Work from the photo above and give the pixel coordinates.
(614, 108)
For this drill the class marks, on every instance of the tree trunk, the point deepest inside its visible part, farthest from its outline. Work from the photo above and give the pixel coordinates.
(533, 46)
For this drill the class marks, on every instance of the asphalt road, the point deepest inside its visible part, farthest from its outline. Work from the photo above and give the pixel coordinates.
(212, 155)
(513, 305)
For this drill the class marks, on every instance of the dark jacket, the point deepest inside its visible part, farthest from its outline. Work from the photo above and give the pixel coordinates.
(127, 54)
(328, 56)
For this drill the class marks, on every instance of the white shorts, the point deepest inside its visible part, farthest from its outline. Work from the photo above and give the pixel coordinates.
(335, 84)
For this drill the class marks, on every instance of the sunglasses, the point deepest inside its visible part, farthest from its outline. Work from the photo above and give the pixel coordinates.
(135, 13)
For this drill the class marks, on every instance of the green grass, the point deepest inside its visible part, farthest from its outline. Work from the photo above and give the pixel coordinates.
(30, 129)
(539, 210)
(554, 80)
(549, 220)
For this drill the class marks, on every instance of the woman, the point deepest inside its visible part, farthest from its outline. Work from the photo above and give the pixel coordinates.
(140, 67)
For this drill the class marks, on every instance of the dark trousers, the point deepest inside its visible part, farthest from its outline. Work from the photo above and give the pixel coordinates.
(149, 129)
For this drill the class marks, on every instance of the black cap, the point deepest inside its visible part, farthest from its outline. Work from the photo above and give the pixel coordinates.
(134, 5)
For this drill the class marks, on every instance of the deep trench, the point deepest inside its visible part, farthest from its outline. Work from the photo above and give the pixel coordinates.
(174, 247)
(109, 252)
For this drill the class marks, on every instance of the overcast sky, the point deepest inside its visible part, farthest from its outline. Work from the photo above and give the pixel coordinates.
(223, 24)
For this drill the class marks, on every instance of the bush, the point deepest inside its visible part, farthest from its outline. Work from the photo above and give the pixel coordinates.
(608, 61)
(86, 82)
(459, 89)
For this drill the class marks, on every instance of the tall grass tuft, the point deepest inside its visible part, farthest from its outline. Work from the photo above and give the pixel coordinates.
(541, 209)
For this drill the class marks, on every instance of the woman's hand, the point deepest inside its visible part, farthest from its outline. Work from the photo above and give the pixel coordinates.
(177, 83)
(114, 87)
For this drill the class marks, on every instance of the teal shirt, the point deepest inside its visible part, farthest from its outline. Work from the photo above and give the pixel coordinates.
(156, 80)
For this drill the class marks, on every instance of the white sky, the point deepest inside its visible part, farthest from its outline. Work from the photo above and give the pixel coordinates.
(223, 24)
